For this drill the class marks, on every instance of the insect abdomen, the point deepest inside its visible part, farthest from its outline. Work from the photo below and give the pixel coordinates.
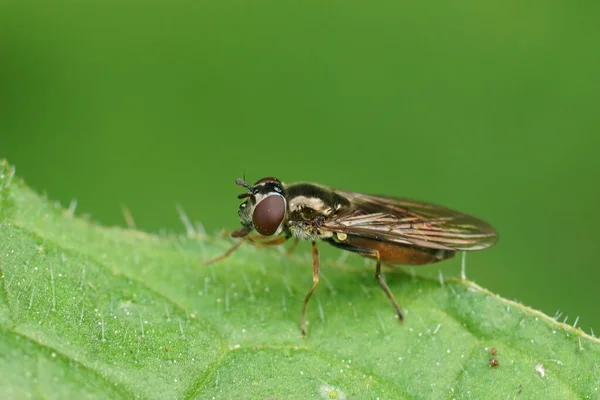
(394, 253)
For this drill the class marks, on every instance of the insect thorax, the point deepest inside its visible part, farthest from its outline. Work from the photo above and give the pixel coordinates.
(309, 206)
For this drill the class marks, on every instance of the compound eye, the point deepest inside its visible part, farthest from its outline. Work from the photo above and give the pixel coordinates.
(268, 215)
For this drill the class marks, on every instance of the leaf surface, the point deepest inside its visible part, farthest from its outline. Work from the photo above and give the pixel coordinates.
(105, 312)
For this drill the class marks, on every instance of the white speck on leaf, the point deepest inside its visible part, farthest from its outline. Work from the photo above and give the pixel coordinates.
(540, 370)
(330, 392)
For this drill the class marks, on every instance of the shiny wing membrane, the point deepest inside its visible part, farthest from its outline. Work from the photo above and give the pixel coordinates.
(411, 222)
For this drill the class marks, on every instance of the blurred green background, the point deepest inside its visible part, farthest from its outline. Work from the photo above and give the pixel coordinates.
(487, 107)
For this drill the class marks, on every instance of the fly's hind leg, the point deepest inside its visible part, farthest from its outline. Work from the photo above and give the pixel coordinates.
(382, 283)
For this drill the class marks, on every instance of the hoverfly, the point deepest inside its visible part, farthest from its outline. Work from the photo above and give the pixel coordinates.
(387, 229)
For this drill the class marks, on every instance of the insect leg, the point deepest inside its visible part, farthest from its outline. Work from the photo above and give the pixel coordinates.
(291, 249)
(255, 242)
(265, 243)
(315, 258)
(375, 254)
(385, 287)
(224, 255)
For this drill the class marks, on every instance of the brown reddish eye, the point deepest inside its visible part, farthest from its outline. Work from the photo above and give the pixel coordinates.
(268, 215)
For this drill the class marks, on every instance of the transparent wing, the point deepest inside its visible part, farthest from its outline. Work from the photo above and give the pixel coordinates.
(411, 222)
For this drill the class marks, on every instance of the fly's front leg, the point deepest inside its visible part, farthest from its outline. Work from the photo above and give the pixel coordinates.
(375, 254)
(224, 255)
(275, 242)
(316, 265)
(253, 240)
(265, 243)
(293, 246)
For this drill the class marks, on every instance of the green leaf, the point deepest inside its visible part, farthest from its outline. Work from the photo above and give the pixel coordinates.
(116, 313)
